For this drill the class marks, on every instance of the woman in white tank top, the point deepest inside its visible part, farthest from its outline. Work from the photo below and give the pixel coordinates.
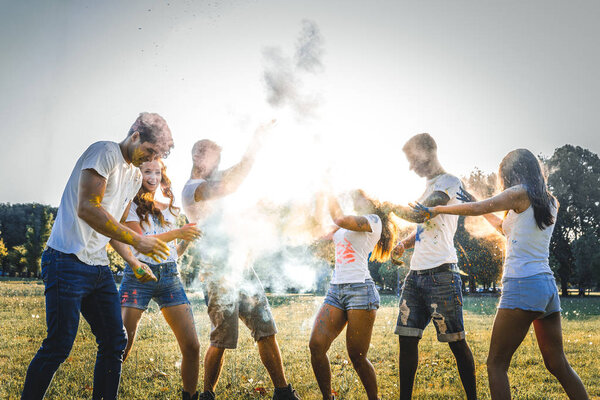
(529, 293)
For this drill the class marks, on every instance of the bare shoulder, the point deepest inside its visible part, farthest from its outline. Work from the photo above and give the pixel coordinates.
(518, 195)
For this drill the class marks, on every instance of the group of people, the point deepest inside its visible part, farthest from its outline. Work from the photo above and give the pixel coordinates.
(110, 199)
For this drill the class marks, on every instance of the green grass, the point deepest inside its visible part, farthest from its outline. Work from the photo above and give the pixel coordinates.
(152, 370)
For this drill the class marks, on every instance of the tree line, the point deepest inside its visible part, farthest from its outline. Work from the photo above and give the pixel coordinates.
(573, 177)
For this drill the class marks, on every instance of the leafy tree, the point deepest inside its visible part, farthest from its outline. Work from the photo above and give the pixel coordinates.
(586, 252)
(3, 253)
(574, 179)
(37, 234)
(479, 253)
(17, 260)
(115, 262)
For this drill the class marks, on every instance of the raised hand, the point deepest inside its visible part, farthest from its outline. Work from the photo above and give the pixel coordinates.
(143, 273)
(189, 232)
(465, 196)
(153, 248)
(427, 212)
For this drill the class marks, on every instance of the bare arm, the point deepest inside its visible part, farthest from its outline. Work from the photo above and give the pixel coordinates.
(186, 232)
(514, 198)
(182, 247)
(406, 243)
(350, 222)
(409, 241)
(140, 270)
(233, 177)
(491, 218)
(407, 213)
(89, 209)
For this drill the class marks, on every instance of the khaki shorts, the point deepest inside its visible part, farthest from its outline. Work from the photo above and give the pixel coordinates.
(227, 304)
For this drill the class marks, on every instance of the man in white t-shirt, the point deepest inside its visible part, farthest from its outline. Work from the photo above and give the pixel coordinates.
(75, 268)
(433, 288)
(229, 297)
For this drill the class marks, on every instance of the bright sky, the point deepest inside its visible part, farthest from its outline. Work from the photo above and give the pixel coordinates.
(482, 77)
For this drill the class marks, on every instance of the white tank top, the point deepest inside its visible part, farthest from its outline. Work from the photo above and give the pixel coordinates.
(527, 246)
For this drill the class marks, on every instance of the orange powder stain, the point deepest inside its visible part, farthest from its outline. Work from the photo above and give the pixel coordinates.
(95, 201)
(125, 236)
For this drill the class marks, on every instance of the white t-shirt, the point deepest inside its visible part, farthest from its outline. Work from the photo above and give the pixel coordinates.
(527, 246)
(196, 211)
(352, 251)
(213, 248)
(434, 243)
(70, 234)
(153, 227)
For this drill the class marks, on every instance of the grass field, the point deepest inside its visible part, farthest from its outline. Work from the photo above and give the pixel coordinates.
(152, 370)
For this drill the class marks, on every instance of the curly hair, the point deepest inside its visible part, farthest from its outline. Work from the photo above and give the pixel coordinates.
(153, 129)
(146, 205)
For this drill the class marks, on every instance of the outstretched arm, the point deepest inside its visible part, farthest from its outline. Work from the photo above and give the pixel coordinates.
(89, 208)
(233, 177)
(407, 213)
(467, 197)
(350, 222)
(514, 198)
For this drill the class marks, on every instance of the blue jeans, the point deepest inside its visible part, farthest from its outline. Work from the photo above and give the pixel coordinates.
(72, 287)
(433, 296)
(168, 291)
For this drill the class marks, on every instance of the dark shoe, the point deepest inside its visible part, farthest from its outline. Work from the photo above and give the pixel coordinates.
(186, 396)
(208, 395)
(286, 393)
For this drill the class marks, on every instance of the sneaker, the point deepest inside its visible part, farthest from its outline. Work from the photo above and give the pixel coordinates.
(286, 393)
(186, 396)
(208, 395)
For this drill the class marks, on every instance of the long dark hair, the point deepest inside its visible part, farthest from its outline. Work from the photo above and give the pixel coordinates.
(521, 167)
(146, 205)
(389, 229)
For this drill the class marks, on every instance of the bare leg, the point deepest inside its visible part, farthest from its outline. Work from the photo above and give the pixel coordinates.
(407, 364)
(549, 336)
(181, 320)
(466, 367)
(358, 339)
(509, 330)
(131, 319)
(271, 359)
(213, 362)
(328, 324)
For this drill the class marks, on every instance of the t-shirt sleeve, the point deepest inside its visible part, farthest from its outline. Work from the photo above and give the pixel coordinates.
(448, 184)
(189, 192)
(100, 157)
(375, 223)
(132, 216)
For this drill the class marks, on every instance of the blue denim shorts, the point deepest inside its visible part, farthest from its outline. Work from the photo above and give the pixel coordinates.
(353, 296)
(167, 291)
(533, 293)
(433, 296)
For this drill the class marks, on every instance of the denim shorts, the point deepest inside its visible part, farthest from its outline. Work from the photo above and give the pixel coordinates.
(167, 291)
(533, 293)
(433, 296)
(353, 296)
